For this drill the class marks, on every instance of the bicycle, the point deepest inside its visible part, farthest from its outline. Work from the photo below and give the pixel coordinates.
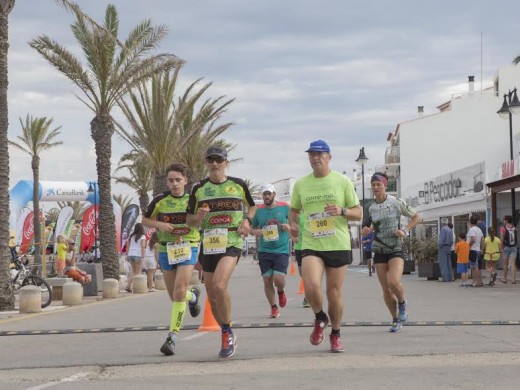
(21, 276)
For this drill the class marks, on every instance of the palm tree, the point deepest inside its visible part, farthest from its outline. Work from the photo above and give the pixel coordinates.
(6, 292)
(122, 200)
(36, 137)
(516, 60)
(112, 70)
(78, 208)
(140, 178)
(52, 214)
(163, 128)
(254, 189)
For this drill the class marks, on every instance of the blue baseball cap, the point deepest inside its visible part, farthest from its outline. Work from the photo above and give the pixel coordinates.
(318, 146)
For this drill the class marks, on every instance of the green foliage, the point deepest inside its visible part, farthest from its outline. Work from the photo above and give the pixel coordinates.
(425, 251)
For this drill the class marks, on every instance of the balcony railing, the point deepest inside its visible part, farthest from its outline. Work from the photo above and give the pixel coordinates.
(392, 155)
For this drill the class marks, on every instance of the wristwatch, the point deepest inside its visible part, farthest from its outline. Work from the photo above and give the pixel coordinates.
(249, 220)
(343, 211)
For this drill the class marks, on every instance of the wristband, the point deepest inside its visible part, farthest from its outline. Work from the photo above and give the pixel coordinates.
(248, 219)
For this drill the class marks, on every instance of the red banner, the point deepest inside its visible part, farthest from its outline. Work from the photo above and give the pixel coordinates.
(89, 228)
(28, 231)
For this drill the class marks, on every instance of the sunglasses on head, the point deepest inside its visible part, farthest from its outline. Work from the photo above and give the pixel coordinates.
(217, 159)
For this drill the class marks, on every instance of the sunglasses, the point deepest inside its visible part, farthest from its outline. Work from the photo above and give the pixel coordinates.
(218, 160)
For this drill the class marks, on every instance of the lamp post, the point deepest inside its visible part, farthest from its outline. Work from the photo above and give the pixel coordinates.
(92, 189)
(362, 160)
(510, 106)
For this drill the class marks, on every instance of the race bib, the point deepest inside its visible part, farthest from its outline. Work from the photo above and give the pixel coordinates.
(177, 253)
(215, 241)
(322, 224)
(270, 233)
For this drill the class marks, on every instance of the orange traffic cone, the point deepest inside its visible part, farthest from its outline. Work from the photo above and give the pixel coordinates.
(292, 271)
(302, 289)
(209, 323)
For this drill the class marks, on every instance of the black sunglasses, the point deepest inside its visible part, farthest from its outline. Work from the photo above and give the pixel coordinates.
(218, 160)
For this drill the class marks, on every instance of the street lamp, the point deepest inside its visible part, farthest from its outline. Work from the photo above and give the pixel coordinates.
(92, 189)
(510, 106)
(362, 160)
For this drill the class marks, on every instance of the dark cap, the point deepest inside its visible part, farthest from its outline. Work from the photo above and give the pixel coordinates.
(216, 151)
(318, 146)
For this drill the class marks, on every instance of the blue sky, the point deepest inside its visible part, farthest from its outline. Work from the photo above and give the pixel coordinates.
(343, 71)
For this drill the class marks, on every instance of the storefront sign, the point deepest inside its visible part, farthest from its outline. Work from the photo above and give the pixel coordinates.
(453, 185)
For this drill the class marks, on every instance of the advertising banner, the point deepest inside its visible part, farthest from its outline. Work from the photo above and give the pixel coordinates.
(28, 231)
(88, 228)
(129, 217)
(62, 222)
(19, 224)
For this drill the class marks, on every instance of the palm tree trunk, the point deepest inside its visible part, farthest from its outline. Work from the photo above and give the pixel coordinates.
(6, 292)
(102, 128)
(159, 183)
(143, 202)
(35, 165)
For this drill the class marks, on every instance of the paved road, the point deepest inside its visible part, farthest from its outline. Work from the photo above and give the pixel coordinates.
(451, 342)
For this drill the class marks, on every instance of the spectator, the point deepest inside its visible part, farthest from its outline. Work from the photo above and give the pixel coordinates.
(462, 251)
(445, 243)
(70, 267)
(150, 264)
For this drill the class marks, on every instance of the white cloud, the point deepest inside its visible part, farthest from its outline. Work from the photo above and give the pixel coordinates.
(347, 72)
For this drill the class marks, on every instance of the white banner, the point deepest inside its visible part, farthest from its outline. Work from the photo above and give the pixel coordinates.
(19, 224)
(62, 222)
(57, 190)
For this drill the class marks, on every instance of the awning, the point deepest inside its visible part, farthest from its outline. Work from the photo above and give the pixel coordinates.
(434, 213)
(505, 184)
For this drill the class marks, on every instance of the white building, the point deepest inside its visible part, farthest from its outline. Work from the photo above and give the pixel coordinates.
(446, 159)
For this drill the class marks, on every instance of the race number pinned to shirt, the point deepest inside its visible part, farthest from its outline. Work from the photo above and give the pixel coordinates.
(270, 233)
(322, 224)
(215, 241)
(177, 253)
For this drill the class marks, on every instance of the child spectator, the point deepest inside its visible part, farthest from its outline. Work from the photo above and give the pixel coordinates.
(61, 254)
(462, 251)
(150, 263)
(492, 245)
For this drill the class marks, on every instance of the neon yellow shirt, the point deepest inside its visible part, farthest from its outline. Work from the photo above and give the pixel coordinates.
(322, 232)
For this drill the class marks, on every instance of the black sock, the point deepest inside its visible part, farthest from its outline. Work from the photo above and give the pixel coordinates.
(280, 292)
(274, 306)
(335, 331)
(321, 316)
(226, 328)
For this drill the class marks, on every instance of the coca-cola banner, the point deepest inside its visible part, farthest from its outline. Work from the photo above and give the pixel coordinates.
(20, 222)
(28, 231)
(129, 217)
(88, 228)
(61, 223)
(148, 232)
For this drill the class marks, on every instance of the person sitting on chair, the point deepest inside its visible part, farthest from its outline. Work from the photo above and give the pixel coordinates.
(71, 270)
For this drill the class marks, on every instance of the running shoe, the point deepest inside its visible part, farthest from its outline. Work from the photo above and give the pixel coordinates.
(282, 299)
(317, 333)
(195, 307)
(306, 303)
(275, 313)
(403, 311)
(369, 273)
(396, 326)
(168, 348)
(229, 345)
(336, 346)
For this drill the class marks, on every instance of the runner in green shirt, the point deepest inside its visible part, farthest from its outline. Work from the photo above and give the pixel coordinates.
(178, 249)
(217, 206)
(329, 200)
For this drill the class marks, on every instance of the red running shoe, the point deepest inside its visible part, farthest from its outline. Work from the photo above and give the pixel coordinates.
(336, 346)
(317, 333)
(282, 299)
(275, 313)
